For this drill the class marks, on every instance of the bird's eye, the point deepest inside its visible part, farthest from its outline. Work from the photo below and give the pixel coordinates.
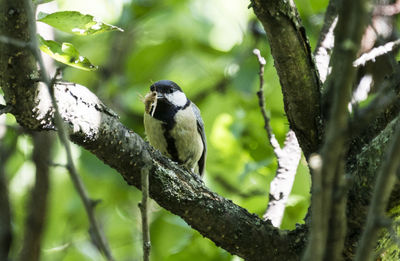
(152, 88)
(170, 91)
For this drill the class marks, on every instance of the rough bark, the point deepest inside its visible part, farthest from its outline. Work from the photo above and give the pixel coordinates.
(296, 69)
(363, 171)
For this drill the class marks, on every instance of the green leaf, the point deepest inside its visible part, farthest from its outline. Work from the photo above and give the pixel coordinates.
(65, 53)
(76, 23)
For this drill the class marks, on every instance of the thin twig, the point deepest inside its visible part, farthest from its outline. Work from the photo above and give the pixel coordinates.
(282, 184)
(15, 42)
(385, 182)
(100, 240)
(288, 159)
(271, 137)
(57, 165)
(143, 206)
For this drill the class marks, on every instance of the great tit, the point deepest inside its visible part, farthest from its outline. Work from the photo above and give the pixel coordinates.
(174, 126)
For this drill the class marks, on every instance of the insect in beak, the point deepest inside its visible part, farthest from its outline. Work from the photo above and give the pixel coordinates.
(150, 102)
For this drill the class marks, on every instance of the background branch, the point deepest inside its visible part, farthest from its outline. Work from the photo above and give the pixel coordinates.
(6, 150)
(37, 207)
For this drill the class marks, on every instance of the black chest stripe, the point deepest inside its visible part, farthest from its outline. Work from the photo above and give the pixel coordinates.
(165, 112)
(171, 146)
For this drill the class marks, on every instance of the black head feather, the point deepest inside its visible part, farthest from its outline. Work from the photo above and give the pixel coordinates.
(165, 86)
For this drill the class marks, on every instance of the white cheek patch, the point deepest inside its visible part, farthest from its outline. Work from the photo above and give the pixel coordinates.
(177, 98)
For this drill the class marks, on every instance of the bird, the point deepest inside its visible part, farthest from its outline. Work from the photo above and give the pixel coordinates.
(174, 126)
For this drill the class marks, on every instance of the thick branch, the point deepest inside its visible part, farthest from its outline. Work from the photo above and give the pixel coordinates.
(363, 172)
(386, 180)
(97, 129)
(296, 69)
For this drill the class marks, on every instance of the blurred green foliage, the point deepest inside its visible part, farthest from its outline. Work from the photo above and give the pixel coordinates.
(206, 47)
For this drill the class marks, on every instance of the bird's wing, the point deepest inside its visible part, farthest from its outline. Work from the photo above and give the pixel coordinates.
(200, 129)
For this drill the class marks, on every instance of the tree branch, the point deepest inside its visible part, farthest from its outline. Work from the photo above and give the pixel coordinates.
(288, 159)
(37, 207)
(385, 182)
(282, 184)
(326, 40)
(260, 94)
(364, 171)
(339, 83)
(96, 128)
(376, 52)
(369, 122)
(296, 69)
(143, 205)
(6, 150)
(385, 100)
